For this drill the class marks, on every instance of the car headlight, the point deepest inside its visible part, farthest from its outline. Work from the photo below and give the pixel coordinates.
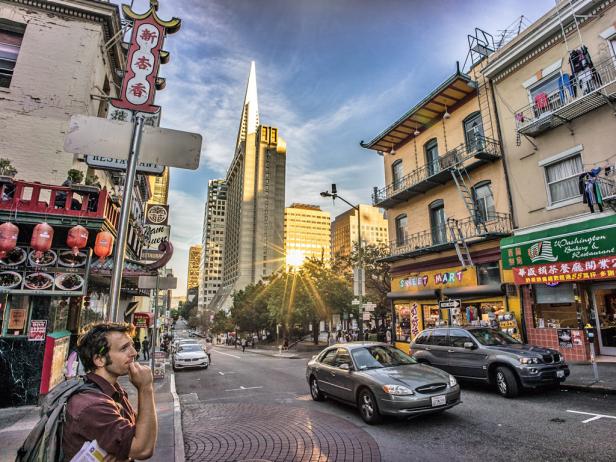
(529, 360)
(452, 381)
(397, 390)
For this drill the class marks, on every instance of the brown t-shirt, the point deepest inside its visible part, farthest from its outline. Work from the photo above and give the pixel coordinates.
(106, 417)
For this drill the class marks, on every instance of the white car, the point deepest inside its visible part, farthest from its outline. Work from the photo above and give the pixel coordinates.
(184, 341)
(189, 355)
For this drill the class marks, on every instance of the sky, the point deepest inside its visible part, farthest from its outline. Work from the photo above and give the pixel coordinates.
(330, 73)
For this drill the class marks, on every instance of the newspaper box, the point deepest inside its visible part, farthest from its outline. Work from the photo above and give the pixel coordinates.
(159, 364)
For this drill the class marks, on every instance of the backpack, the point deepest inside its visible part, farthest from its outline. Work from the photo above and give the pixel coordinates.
(44, 443)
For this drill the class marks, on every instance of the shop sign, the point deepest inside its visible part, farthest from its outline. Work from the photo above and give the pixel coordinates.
(571, 271)
(38, 330)
(580, 241)
(450, 277)
(141, 320)
(156, 214)
(17, 319)
(414, 320)
(56, 353)
(155, 234)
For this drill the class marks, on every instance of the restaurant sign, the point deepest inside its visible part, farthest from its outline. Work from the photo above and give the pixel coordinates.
(589, 240)
(571, 271)
(448, 277)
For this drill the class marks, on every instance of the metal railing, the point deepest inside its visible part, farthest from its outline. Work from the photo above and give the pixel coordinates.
(608, 188)
(493, 224)
(452, 158)
(585, 85)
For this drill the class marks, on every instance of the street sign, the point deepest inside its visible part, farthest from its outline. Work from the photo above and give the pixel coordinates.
(90, 135)
(355, 302)
(109, 163)
(366, 316)
(164, 283)
(447, 304)
(369, 306)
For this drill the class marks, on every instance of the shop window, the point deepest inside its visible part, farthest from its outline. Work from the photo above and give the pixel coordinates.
(430, 315)
(484, 202)
(431, 150)
(403, 322)
(11, 35)
(59, 311)
(488, 274)
(396, 174)
(558, 307)
(562, 178)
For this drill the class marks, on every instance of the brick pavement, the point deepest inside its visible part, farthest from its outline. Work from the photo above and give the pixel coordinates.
(247, 431)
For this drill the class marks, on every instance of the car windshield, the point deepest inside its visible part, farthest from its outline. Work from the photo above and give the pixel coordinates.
(375, 357)
(189, 347)
(491, 337)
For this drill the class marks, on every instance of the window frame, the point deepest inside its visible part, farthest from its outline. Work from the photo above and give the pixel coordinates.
(397, 220)
(488, 266)
(536, 85)
(469, 118)
(432, 166)
(545, 167)
(396, 174)
(433, 207)
(488, 215)
(12, 27)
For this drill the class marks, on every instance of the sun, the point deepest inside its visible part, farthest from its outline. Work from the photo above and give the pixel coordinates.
(295, 258)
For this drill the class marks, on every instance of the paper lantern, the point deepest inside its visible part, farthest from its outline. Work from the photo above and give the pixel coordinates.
(103, 245)
(8, 238)
(77, 238)
(42, 237)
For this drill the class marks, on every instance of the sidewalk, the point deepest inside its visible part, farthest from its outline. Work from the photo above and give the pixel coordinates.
(582, 378)
(16, 423)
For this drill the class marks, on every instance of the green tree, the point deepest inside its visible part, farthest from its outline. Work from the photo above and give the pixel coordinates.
(222, 323)
(250, 308)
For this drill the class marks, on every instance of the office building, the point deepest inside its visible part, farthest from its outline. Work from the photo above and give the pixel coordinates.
(344, 229)
(307, 234)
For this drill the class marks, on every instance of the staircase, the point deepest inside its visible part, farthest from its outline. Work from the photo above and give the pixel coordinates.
(457, 237)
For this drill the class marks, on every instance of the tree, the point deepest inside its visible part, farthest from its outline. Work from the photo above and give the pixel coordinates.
(222, 323)
(175, 314)
(250, 309)
(6, 168)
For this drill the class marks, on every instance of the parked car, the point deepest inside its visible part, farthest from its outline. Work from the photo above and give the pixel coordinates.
(184, 341)
(491, 356)
(380, 380)
(189, 355)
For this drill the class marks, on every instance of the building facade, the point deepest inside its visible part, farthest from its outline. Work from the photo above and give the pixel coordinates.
(307, 234)
(213, 242)
(555, 87)
(254, 219)
(194, 261)
(160, 188)
(374, 229)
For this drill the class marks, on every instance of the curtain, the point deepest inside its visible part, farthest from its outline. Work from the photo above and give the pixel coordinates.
(563, 178)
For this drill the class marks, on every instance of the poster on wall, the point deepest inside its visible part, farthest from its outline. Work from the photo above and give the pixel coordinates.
(17, 319)
(37, 331)
(577, 337)
(414, 321)
(564, 338)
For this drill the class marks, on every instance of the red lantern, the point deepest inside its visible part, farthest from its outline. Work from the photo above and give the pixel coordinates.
(103, 245)
(77, 238)
(42, 236)
(8, 238)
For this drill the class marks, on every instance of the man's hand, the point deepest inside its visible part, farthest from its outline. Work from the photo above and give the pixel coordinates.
(140, 376)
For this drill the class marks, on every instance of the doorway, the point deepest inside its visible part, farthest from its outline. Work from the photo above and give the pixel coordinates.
(604, 298)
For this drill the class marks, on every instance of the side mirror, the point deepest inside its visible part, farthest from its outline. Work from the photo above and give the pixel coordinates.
(344, 367)
(469, 345)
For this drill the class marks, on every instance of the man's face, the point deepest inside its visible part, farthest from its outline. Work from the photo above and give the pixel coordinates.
(121, 353)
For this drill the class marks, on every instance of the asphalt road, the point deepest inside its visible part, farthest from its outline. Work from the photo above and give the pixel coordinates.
(536, 426)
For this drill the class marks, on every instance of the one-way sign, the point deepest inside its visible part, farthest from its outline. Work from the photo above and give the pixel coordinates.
(447, 304)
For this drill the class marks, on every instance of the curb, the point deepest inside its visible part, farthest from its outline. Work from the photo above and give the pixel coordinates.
(589, 388)
(177, 423)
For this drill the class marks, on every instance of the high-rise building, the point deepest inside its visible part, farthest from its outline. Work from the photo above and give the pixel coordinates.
(344, 229)
(213, 242)
(307, 234)
(254, 218)
(160, 188)
(194, 259)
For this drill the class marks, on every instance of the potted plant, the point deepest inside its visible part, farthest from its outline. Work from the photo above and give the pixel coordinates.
(76, 177)
(7, 171)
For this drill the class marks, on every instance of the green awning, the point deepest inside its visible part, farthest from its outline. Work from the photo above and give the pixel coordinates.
(593, 238)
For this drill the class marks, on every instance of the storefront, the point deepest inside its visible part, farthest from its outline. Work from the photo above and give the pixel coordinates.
(567, 276)
(450, 297)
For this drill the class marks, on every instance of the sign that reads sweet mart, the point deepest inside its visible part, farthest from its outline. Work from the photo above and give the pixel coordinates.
(578, 241)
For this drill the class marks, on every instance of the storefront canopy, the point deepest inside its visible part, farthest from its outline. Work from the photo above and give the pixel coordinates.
(417, 295)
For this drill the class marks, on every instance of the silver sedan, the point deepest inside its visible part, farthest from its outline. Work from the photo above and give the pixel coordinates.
(380, 380)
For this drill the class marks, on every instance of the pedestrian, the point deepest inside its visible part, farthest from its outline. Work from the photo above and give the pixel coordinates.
(137, 345)
(243, 345)
(105, 415)
(208, 350)
(146, 348)
(388, 335)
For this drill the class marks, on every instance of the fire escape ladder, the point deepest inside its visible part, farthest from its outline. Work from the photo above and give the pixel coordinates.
(457, 236)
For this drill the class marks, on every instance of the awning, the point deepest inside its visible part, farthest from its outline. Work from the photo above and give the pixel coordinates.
(474, 291)
(418, 295)
(447, 96)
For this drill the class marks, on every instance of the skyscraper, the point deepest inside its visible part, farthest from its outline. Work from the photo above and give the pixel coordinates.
(213, 242)
(254, 219)
(344, 229)
(194, 258)
(160, 188)
(306, 234)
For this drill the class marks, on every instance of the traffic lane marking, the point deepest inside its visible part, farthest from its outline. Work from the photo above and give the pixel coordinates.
(227, 354)
(243, 388)
(227, 373)
(594, 414)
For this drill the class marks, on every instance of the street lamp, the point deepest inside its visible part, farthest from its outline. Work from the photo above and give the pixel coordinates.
(360, 270)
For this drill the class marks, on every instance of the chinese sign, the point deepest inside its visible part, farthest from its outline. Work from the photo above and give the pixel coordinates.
(580, 270)
(156, 214)
(414, 320)
(17, 319)
(453, 277)
(580, 241)
(37, 331)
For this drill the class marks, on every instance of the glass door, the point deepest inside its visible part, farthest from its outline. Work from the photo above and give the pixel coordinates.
(605, 315)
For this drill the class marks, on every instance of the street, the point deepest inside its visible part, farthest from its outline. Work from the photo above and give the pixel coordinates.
(251, 406)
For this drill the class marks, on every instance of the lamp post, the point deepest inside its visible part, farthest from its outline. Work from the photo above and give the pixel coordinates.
(360, 266)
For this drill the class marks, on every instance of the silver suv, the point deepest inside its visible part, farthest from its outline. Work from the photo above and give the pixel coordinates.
(491, 356)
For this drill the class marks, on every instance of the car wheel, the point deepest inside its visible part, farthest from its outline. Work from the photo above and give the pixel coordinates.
(368, 408)
(506, 383)
(315, 391)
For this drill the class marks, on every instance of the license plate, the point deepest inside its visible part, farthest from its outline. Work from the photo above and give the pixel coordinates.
(560, 374)
(439, 400)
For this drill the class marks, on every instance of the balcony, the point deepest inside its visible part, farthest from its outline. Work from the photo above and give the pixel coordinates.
(608, 191)
(57, 204)
(586, 92)
(430, 176)
(496, 225)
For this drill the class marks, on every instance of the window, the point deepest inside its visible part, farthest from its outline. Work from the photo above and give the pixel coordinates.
(545, 94)
(401, 224)
(396, 174)
(438, 337)
(343, 357)
(484, 202)
(422, 338)
(457, 338)
(437, 222)
(431, 150)
(488, 274)
(562, 179)
(328, 357)
(11, 35)
(473, 131)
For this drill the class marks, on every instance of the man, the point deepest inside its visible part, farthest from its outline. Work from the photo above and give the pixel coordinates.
(208, 350)
(107, 352)
(146, 348)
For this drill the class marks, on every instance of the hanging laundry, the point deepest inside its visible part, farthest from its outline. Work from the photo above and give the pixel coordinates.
(584, 71)
(566, 88)
(590, 190)
(541, 101)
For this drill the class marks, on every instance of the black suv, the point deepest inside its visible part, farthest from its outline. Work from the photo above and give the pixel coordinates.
(491, 356)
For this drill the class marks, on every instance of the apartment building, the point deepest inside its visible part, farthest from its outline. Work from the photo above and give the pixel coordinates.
(307, 234)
